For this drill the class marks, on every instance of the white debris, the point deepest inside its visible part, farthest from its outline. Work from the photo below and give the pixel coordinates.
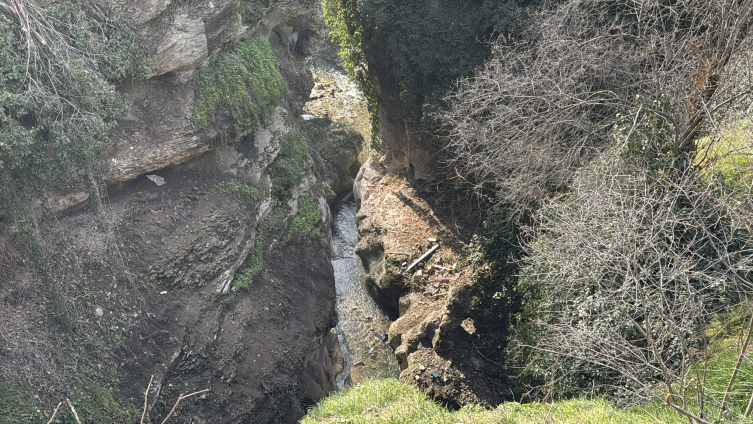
(157, 179)
(163, 292)
(307, 117)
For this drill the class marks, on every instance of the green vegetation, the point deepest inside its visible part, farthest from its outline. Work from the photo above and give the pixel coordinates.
(251, 267)
(330, 139)
(416, 49)
(12, 406)
(57, 97)
(287, 170)
(305, 220)
(303, 224)
(389, 401)
(57, 105)
(94, 405)
(245, 80)
(605, 253)
(345, 21)
(728, 155)
(254, 262)
(616, 248)
(285, 173)
(244, 193)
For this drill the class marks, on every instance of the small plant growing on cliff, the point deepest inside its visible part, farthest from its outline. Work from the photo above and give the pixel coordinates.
(287, 170)
(245, 194)
(245, 80)
(254, 262)
(304, 222)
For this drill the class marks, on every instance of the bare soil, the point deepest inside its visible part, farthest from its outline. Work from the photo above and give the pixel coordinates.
(140, 299)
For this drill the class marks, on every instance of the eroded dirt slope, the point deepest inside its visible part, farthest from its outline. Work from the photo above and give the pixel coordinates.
(445, 345)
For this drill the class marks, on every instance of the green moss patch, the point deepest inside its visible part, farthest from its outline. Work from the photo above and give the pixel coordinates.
(245, 80)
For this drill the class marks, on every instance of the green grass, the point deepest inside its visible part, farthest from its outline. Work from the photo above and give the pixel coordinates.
(11, 405)
(729, 156)
(390, 401)
(246, 80)
(723, 357)
(95, 404)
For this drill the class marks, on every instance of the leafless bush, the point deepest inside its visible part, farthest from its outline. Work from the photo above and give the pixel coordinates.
(625, 273)
(547, 101)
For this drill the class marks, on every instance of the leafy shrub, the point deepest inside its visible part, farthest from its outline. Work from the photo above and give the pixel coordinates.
(57, 99)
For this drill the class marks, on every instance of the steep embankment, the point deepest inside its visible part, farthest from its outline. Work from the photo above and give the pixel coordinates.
(219, 279)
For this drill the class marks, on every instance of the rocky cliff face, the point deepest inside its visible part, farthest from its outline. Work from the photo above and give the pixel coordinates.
(218, 279)
(181, 38)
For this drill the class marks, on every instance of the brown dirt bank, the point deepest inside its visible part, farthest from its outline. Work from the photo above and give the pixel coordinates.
(443, 343)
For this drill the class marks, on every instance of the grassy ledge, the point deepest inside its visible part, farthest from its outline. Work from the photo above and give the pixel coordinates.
(390, 401)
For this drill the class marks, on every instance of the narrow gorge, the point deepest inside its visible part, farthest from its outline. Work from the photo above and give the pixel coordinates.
(319, 211)
(194, 252)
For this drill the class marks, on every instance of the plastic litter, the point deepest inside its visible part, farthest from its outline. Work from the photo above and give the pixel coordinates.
(307, 117)
(435, 374)
(157, 179)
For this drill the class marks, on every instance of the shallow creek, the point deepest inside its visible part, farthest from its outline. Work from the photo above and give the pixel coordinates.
(362, 327)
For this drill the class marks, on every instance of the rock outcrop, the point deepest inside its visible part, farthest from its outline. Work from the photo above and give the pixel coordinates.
(181, 38)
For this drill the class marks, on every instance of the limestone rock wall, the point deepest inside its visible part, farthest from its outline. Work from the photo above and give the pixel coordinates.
(181, 37)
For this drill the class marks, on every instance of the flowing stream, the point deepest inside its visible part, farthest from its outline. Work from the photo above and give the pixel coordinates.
(362, 327)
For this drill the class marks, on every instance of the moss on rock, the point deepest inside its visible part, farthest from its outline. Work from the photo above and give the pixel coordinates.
(245, 80)
(287, 170)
